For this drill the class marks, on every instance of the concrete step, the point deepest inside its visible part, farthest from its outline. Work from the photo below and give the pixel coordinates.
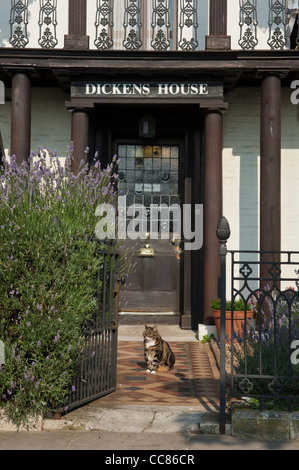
(140, 419)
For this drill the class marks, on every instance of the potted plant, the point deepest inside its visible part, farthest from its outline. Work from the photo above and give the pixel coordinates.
(239, 314)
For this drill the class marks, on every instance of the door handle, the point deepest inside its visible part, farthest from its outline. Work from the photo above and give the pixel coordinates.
(147, 250)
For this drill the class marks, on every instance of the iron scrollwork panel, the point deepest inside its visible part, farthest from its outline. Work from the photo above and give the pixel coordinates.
(261, 362)
(104, 24)
(48, 20)
(188, 19)
(160, 25)
(132, 22)
(277, 24)
(18, 23)
(248, 24)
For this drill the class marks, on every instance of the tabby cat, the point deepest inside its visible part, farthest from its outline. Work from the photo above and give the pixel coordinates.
(157, 352)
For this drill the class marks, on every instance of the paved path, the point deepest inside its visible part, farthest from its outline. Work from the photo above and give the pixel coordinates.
(155, 444)
(194, 381)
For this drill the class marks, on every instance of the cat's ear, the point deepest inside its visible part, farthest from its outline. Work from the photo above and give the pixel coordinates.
(155, 327)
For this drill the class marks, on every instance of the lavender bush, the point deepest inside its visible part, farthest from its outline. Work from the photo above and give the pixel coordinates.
(48, 267)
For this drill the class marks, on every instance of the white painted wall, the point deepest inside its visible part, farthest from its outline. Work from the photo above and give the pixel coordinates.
(241, 150)
(50, 121)
(241, 155)
(241, 163)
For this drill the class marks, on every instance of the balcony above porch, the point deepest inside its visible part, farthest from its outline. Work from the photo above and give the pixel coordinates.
(150, 25)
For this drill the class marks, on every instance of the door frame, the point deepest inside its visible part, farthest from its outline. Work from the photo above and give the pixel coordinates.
(185, 262)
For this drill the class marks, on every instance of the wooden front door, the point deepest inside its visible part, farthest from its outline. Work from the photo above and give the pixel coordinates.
(149, 177)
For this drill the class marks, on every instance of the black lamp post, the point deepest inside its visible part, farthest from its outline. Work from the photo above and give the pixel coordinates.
(223, 234)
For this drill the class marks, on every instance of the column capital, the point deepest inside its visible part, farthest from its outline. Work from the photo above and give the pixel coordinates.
(79, 104)
(24, 70)
(214, 106)
(79, 109)
(265, 72)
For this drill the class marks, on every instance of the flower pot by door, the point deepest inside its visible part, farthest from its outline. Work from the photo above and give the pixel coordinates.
(238, 320)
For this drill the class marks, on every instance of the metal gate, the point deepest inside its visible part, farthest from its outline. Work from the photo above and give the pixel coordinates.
(260, 357)
(96, 367)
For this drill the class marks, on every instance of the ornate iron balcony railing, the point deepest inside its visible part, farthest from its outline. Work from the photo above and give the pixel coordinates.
(159, 25)
(282, 24)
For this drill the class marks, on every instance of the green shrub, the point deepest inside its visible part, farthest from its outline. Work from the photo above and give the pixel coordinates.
(238, 305)
(48, 266)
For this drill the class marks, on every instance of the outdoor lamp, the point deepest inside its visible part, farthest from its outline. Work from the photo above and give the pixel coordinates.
(147, 127)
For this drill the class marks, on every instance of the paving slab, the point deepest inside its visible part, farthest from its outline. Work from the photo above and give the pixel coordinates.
(154, 444)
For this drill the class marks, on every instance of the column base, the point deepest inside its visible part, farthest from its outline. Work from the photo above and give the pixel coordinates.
(186, 322)
(76, 42)
(218, 43)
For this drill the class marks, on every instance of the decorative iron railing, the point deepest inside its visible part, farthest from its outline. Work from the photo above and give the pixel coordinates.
(96, 366)
(260, 355)
(47, 24)
(159, 25)
(282, 23)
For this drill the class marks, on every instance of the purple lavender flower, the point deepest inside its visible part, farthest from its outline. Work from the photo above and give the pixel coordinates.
(57, 338)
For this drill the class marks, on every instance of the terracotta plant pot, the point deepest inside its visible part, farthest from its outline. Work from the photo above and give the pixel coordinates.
(239, 323)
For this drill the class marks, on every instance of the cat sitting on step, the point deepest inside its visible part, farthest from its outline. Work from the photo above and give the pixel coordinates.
(157, 352)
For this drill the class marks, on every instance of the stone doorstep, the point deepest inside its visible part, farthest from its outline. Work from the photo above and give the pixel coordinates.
(268, 424)
(141, 419)
(245, 423)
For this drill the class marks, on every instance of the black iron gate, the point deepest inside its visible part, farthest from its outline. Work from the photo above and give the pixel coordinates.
(96, 367)
(259, 357)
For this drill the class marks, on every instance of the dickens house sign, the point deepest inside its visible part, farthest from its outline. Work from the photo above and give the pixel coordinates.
(150, 90)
